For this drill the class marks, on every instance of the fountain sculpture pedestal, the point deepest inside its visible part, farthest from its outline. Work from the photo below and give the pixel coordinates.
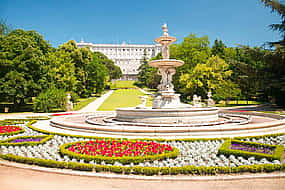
(166, 106)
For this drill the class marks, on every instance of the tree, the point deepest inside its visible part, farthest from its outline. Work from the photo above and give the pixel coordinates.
(22, 61)
(147, 75)
(4, 28)
(97, 75)
(61, 70)
(214, 75)
(81, 57)
(193, 50)
(114, 71)
(278, 7)
(219, 49)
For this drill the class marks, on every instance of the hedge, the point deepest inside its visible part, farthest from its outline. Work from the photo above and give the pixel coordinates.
(226, 150)
(140, 170)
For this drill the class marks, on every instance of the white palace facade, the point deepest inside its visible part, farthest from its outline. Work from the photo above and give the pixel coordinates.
(127, 56)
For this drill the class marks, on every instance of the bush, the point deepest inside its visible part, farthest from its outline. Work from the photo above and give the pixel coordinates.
(50, 100)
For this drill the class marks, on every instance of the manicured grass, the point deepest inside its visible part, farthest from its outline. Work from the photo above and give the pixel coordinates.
(82, 103)
(123, 98)
(123, 84)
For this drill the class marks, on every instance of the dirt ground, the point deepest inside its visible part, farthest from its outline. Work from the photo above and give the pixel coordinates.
(23, 179)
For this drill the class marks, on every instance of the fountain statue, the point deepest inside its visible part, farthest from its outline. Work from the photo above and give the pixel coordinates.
(166, 105)
(166, 97)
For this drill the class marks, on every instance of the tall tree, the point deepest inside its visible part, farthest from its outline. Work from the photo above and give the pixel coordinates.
(278, 7)
(22, 60)
(81, 58)
(114, 71)
(219, 49)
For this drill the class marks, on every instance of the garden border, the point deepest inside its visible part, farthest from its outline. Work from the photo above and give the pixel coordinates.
(194, 170)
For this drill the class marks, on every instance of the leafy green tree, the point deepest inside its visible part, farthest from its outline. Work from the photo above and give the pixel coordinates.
(114, 71)
(193, 50)
(219, 49)
(81, 57)
(61, 70)
(4, 28)
(22, 61)
(278, 7)
(51, 100)
(97, 75)
(214, 75)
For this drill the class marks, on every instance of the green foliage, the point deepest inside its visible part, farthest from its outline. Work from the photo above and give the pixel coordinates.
(97, 76)
(50, 100)
(119, 84)
(278, 7)
(22, 65)
(214, 76)
(61, 70)
(114, 71)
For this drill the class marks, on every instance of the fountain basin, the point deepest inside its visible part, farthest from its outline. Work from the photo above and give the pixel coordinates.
(166, 63)
(167, 115)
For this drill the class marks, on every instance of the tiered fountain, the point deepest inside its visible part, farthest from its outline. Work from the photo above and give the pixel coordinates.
(167, 117)
(166, 106)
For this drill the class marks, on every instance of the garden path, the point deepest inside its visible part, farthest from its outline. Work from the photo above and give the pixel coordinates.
(93, 106)
(24, 179)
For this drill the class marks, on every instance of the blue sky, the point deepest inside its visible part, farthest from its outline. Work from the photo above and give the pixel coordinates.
(139, 22)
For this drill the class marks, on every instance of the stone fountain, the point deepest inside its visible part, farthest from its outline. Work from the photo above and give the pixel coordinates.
(166, 106)
(168, 117)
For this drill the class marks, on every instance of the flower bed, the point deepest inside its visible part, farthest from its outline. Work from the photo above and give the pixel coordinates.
(120, 151)
(252, 149)
(195, 157)
(10, 130)
(26, 140)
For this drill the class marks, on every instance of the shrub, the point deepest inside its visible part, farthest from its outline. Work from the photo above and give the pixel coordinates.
(52, 99)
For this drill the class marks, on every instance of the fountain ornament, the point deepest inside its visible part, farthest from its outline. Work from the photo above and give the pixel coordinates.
(166, 105)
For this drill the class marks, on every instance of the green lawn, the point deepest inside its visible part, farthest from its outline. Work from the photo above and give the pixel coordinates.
(82, 102)
(123, 98)
(123, 84)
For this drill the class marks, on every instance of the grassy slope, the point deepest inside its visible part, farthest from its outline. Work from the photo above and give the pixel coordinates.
(122, 98)
(123, 84)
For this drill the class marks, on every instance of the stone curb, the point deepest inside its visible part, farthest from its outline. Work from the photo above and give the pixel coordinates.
(147, 178)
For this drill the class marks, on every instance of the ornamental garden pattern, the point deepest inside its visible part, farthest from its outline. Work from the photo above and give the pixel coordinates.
(142, 156)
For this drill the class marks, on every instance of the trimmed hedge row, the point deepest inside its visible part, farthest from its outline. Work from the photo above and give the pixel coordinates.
(226, 150)
(48, 163)
(139, 170)
(38, 117)
(111, 160)
(8, 142)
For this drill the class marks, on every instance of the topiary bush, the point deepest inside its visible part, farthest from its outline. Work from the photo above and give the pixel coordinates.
(50, 100)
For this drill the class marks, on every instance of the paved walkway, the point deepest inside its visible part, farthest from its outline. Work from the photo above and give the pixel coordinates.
(93, 106)
(15, 178)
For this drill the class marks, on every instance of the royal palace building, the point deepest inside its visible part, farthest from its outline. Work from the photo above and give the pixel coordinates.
(127, 56)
